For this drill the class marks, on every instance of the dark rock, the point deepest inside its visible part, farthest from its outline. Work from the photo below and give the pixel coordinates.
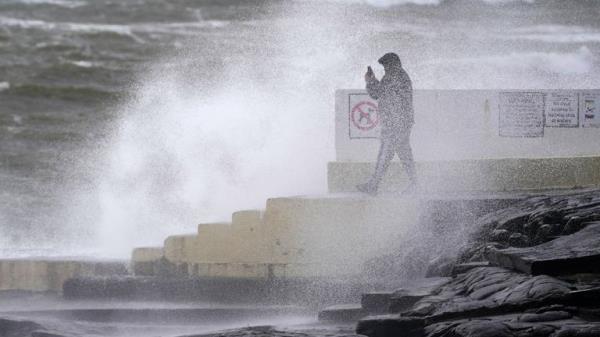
(489, 291)
(391, 325)
(342, 313)
(547, 316)
(515, 224)
(465, 267)
(582, 331)
(518, 240)
(500, 235)
(440, 267)
(590, 296)
(576, 253)
(574, 225)
(17, 327)
(543, 233)
(46, 334)
(478, 328)
(511, 326)
(377, 302)
(403, 299)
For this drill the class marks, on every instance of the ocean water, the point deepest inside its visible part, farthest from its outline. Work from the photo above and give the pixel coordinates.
(122, 122)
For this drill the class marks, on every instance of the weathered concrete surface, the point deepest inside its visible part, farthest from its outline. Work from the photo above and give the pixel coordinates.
(292, 238)
(571, 254)
(510, 174)
(49, 274)
(147, 261)
(315, 292)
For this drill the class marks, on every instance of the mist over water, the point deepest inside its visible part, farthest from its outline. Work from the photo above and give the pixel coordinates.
(223, 106)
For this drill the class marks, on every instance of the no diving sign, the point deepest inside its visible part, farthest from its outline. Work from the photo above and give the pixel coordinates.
(363, 117)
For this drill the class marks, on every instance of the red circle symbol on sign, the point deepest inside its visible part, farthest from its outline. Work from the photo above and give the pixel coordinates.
(364, 115)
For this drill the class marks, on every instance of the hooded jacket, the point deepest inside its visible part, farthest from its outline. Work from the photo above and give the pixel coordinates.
(395, 100)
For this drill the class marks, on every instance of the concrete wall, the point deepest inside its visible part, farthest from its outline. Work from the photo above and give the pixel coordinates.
(293, 237)
(475, 175)
(460, 143)
(49, 275)
(464, 124)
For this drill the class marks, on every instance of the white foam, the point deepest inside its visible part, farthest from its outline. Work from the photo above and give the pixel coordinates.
(580, 61)
(61, 3)
(389, 3)
(553, 34)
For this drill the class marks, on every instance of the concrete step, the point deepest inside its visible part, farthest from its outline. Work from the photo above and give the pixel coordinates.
(146, 261)
(314, 235)
(507, 174)
(49, 274)
(377, 302)
(342, 313)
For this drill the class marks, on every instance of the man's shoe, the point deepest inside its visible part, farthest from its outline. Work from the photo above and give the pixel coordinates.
(367, 188)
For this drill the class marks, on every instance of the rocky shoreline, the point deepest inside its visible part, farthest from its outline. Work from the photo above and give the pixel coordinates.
(530, 268)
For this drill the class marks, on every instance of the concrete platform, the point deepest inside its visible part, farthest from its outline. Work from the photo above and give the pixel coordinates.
(488, 175)
(46, 274)
(309, 236)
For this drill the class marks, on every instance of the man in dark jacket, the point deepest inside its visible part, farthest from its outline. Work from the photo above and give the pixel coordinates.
(395, 103)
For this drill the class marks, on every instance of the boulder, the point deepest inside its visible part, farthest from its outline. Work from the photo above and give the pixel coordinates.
(571, 254)
(403, 299)
(489, 291)
(391, 325)
(465, 267)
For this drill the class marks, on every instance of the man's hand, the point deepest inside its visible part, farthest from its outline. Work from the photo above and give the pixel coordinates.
(369, 76)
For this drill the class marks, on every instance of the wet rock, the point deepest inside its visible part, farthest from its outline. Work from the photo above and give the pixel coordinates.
(547, 316)
(512, 326)
(576, 253)
(518, 240)
(581, 331)
(17, 328)
(269, 331)
(574, 225)
(470, 328)
(465, 267)
(543, 233)
(377, 302)
(440, 267)
(391, 325)
(46, 334)
(564, 213)
(403, 299)
(343, 313)
(515, 223)
(500, 235)
(490, 291)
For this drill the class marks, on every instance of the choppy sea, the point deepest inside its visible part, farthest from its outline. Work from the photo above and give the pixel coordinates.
(124, 121)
